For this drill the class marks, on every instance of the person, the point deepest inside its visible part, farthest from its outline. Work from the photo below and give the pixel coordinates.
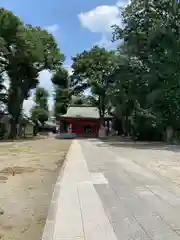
(102, 131)
(70, 128)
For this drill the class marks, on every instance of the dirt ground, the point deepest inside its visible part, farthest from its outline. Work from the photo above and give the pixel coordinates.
(28, 172)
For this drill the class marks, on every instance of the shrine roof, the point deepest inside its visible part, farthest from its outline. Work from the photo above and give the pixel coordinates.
(83, 112)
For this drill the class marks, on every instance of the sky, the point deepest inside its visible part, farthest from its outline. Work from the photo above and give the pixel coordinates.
(77, 25)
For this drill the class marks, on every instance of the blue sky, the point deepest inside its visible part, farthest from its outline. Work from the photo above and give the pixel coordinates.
(76, 24)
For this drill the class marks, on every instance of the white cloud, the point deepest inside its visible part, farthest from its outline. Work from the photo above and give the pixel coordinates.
(27, 105)
(106, 42)
(45, 80)
(51, 103)
(52, 28)
(122, 3)
(101, 18)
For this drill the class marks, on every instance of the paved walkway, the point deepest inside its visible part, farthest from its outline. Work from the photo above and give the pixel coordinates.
(106, 197)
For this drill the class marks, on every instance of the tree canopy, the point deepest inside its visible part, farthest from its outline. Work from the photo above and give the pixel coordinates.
(93, 69)
(25, 52)
(40, 112)
(62, 92)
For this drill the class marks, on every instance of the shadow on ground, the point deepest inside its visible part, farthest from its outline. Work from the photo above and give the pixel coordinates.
(128, 143)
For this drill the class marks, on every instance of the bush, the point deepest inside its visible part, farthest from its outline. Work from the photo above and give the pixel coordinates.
(145, 129)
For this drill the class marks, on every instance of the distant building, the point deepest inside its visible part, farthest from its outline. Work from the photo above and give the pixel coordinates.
(24, 129)
(83, 121)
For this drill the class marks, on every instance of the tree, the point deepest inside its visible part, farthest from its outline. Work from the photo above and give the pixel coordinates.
(62, 92)
(151, 34)
(40, 112)
(41, 98)
(94, 69)
(83, 100)
(25, 53)
(77, 101)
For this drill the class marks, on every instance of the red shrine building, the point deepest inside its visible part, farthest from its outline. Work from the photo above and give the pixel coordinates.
(82, 121)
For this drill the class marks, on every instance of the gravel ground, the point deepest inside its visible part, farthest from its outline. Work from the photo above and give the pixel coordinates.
(28, 172)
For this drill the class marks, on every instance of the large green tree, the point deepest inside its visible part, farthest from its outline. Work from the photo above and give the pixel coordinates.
(62, 92)
(84, 100)
(40, 111)
(25, 52)
(93, 69)
(151, 35)
(129, 91)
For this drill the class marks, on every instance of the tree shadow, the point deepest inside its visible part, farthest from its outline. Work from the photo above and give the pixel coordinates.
(130, 144)
(22, 139)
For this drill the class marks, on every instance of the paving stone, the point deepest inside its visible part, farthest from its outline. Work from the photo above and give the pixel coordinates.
(166, 212)
(96, 223)
(124, 224)
(164, 194)
(139, 203)
(80, 213)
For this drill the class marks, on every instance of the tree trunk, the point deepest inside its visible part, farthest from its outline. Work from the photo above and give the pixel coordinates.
(35, 129)
(15, 109)
(102, 107)
(13, 131)
(101, 125)
(123, 126)
(14, 124)
(127, 126)
(20, 127)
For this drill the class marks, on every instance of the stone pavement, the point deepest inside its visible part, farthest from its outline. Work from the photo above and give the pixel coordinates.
(106, 197)
(78, 213)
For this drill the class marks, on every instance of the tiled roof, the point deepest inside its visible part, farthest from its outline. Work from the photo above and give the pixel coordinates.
(83, 112)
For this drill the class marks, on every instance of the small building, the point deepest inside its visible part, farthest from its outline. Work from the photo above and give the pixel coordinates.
(83, 121)
(24, 129)
(49, 126)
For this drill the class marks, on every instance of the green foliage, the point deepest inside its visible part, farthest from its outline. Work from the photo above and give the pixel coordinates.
(93, 69)
(145, 129)
(25, 52)
(61, 78)
(95, 64)
(41, 98)
(77, 101)
(83, 100)
(151, 36)
(62, 93)
(40, 112)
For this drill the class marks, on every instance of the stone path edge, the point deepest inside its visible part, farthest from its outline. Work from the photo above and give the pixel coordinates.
(48, 231)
